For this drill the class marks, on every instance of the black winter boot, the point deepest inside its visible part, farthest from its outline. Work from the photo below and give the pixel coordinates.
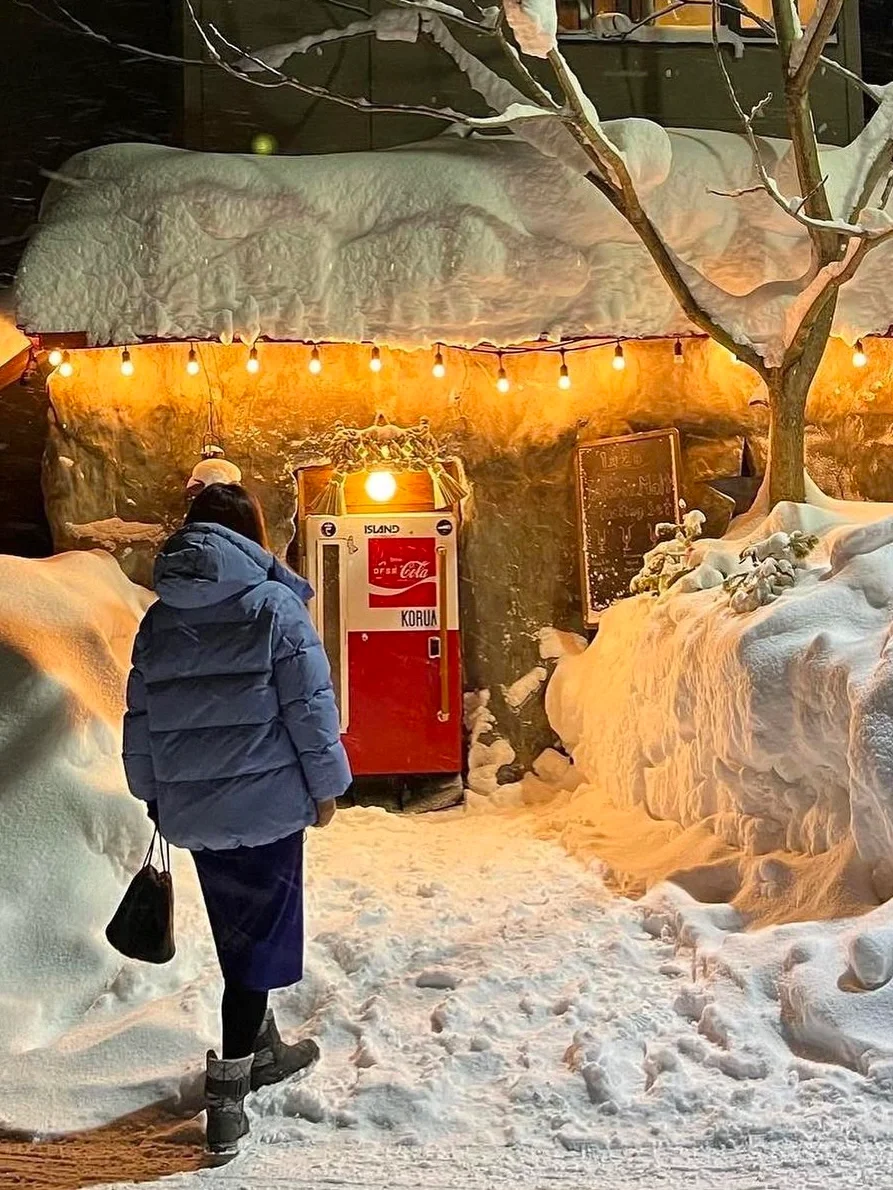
(274, 1060)
(227, 1082)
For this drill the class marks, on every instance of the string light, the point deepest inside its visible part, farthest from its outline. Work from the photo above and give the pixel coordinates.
(860, 359)
(375, 360)
(619, 360)
(439, 369)
(55, 358)
(65, 365)
(315, 364)
(564, 377)
(252, 363)
(678, 354)
(502, 381)
(126, 363)
(193, 367)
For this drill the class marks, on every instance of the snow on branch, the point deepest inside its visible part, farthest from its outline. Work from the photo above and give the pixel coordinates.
(874, 222)
(388, 25)
(534, 24)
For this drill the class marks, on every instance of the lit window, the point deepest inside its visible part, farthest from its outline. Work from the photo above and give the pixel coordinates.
(698, 15)
(574, 15)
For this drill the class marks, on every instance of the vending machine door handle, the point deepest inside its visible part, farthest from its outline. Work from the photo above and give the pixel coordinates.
(443, 569)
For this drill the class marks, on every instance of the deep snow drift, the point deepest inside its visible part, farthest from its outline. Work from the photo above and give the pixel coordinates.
(433, 242)
(68, 837)
(774, 725)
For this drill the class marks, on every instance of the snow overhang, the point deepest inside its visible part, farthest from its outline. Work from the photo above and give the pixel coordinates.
(457, 240)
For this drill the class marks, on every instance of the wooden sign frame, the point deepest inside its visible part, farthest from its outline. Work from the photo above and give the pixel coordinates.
(592, 615)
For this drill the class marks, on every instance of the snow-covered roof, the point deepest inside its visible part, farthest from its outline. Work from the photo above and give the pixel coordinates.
(458, 239)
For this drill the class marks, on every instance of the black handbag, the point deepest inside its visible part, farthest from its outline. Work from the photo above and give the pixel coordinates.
(143, 925)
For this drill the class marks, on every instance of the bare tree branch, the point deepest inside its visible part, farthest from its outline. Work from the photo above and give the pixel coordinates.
(278, 79)
(807, 50)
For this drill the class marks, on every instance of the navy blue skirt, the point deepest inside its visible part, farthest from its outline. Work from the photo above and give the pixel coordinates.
(255, 902)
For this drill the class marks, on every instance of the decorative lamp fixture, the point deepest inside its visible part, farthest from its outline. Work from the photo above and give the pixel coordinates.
(193, 367)
(54, 359)
(315, 364)
(860, 359)
(678, 354)
(381, 486)
(65, 365)
(439, 369)
(126, 363)
(375, 360)
(502, 381)
(564, 377)
(252, 364)
(619, 360)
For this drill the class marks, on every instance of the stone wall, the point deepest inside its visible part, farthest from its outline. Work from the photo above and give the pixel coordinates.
(122, 447)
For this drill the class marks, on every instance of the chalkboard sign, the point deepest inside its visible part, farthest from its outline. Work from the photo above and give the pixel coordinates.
(625, 486)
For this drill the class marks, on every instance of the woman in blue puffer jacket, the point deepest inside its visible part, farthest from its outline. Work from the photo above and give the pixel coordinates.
(232, 737)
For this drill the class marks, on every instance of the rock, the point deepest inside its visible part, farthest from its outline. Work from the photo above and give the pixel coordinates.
(871, 957)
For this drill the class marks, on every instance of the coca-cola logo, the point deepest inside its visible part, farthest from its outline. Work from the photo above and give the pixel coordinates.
(415, 570)
(402, 572)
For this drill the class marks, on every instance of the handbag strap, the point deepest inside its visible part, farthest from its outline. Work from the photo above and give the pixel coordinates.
(164, 851)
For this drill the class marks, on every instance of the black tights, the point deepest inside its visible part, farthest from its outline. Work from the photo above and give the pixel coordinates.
(243, 1014)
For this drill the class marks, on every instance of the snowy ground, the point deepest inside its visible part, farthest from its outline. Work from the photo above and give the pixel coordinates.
(490, 1013)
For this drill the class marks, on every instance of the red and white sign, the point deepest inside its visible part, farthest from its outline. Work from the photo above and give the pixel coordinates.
(402, 572)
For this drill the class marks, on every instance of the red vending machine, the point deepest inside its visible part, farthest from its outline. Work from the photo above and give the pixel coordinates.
(387, 609)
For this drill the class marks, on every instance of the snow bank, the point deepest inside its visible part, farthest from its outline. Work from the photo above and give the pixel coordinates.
(68, 838)
(438, 241)
(71, 837)
(774, 725)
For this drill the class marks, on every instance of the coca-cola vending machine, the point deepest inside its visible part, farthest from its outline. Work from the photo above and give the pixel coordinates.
(387, 609)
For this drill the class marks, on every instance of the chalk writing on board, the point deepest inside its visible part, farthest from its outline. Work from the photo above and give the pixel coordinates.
(625, 486)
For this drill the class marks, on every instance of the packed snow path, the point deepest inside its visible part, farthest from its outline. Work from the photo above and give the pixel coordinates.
(490, 1014)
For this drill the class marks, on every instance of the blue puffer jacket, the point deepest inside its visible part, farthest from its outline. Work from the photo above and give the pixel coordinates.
(231, 720)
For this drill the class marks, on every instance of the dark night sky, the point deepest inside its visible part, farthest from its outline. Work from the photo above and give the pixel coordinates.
(63, 93)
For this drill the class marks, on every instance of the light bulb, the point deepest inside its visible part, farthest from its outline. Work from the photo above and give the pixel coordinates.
(502, 381)
(193, 367)
(619, 360)
(65, 365)
(439, 369)
(55, 358)
(564, 377)
(380, 486)
(126, 363)
(678, 354)
(860, 359)
(375, 360)
(252, 363)
(315, 364)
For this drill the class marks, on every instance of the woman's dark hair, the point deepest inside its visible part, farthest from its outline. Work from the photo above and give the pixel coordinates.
(230, 505)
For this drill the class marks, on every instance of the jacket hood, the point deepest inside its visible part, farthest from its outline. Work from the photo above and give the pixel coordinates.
(205, 564)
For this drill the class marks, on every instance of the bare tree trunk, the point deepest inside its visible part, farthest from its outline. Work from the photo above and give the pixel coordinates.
(787, 428)
(789, 388)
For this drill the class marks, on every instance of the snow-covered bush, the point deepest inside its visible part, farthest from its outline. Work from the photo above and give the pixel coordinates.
(670, 559)
(768, 569)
